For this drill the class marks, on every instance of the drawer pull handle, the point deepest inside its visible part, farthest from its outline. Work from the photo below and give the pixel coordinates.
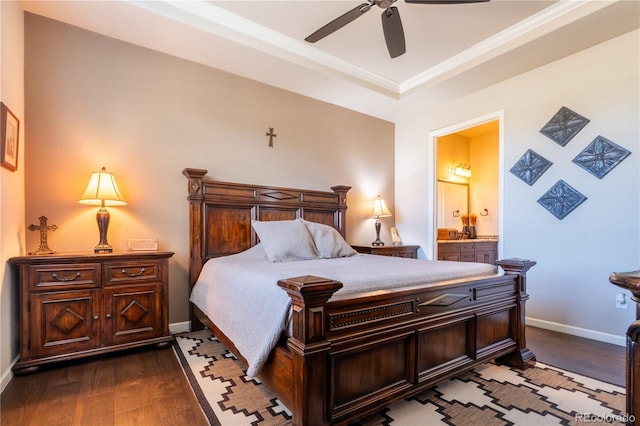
(124, 271)
(67, 278)
(108, 315)
(95, 317)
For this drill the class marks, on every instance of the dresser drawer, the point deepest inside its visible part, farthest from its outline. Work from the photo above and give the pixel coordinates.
(404, 253)
(448, 249)
(467, 257)
(128, 272)
(467, 247)
(64, 276)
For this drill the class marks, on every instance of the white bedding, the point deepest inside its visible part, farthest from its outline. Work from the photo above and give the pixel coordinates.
(240, 294)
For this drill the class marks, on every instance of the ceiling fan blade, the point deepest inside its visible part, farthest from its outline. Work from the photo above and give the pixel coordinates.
(339, 22)
(393, 32)
(445, 1)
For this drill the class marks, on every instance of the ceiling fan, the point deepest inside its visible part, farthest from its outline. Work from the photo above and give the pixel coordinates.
(391, 23)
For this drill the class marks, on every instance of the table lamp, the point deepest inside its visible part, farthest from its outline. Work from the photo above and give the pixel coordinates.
(102, 191)
(379, 210)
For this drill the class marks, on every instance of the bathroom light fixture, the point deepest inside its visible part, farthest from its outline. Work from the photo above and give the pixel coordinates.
(462, 170)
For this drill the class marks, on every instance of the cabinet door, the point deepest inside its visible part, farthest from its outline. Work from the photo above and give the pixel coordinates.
(132, 313)
(448, 252)
(63, 322)
(486, 253)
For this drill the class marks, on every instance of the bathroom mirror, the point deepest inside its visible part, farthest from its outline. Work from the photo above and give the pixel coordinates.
(452, 202)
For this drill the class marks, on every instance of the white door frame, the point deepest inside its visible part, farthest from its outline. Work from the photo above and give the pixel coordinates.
(454, 128)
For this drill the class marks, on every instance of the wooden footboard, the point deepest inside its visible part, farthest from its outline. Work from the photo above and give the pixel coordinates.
(350, 358)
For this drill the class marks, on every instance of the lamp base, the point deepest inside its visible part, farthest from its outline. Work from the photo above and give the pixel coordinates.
(378, 241)
(102, 217)
(100, 248)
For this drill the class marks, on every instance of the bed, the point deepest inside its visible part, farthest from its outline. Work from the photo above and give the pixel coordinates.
(347, 356)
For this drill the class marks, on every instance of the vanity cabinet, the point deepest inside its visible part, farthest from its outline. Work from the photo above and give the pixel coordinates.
(483, 251)
(72, 306)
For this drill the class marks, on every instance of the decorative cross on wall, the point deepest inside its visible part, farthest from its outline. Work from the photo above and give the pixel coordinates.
(43, 228)
(271, 136)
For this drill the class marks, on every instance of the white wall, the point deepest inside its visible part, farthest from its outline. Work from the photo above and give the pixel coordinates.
(569, 286)
(11, 183)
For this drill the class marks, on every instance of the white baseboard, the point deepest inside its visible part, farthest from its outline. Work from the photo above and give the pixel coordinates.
(8, 375)
(180, 327)
(577, 331)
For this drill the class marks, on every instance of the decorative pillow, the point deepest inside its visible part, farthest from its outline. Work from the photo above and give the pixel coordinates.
(285, 240)
(328, 240)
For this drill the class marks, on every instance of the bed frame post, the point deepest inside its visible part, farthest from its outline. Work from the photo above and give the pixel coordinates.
(196, 235)
(310, 348)
(341, 224)
(631, 281)
(522, 357)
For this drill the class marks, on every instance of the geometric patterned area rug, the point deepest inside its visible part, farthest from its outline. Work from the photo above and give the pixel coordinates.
(488, 395)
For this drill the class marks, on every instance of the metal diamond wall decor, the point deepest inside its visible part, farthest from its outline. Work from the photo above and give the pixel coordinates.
(564, 125)
(601, 156)
(530, 167)
(561, 199)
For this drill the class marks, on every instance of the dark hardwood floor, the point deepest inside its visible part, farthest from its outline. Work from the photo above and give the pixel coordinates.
(147, 387)
(141, 387)
(602, 361)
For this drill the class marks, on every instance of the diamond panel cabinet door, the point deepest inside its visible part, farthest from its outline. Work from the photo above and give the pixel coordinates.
(64, 322)
(130, 313)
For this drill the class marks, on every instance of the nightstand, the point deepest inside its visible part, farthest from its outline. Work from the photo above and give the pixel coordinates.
(73, 306)
(397, 251)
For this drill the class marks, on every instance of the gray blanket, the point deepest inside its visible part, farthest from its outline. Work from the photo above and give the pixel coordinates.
(239, 293)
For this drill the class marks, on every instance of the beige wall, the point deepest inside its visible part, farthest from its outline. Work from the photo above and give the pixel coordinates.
(94, 101)
(484, 185)
(11, 183)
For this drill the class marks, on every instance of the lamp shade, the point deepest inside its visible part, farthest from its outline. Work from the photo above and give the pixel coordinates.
(102, 190)
(379, 208)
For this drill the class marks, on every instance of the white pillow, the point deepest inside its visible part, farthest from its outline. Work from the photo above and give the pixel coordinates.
(285, 240)
(254, 253)
(328, 240)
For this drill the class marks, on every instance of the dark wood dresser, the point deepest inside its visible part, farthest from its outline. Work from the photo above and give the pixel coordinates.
(77, 305)
(397, 251)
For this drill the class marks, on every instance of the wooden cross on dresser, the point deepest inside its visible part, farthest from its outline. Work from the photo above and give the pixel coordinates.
(43, 228)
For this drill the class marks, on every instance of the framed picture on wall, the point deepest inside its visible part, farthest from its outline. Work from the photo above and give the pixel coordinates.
(9, 133)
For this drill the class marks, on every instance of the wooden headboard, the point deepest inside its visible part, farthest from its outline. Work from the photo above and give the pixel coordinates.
(220, 214)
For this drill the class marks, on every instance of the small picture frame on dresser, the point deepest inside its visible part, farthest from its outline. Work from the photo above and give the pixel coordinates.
(395, 237)
(142, 244)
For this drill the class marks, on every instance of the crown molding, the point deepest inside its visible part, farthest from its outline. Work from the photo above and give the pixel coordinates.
(212, 19)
